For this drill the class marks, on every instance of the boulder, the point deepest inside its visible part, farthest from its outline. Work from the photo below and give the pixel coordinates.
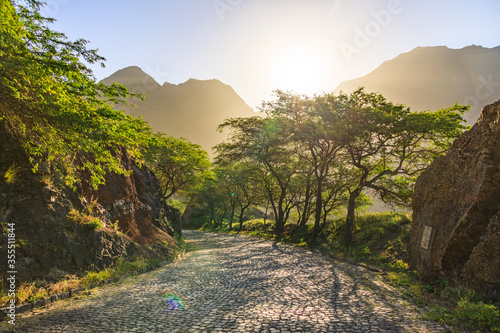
(456, 211)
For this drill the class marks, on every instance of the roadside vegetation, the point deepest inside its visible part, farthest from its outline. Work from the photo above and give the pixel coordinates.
(69, 127)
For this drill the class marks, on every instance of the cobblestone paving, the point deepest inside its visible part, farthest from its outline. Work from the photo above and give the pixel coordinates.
(237, 284)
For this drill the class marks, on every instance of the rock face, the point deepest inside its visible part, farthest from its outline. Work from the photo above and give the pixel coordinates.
(130, 209)
(174, 217)
(134, 203)
(456, 210)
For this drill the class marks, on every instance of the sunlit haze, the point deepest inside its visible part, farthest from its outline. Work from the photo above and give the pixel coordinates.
(259, 46)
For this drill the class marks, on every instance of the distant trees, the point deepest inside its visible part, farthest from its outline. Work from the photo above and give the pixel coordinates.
(319, 155)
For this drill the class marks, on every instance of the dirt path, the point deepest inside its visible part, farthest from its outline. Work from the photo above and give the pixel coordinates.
(229, 283)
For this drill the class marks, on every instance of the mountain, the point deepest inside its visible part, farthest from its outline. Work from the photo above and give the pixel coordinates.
(192, 109)
(431, 78)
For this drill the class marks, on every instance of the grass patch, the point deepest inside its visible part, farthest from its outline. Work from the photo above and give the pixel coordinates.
(467, 315)
(381, 238)
(12, 174)
(84, 219)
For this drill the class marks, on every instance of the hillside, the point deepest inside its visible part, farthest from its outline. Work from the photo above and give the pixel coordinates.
(192, 110)
(437, 77)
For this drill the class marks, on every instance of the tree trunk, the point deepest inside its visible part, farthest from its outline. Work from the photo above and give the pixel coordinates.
(279, 217)
(223, 216)
(233, 207)
(318, 211)
(349, 223)
(307, 203)
(242, 211)
(265, 216)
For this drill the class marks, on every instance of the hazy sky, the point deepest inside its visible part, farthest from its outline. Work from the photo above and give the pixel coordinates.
(257, 46)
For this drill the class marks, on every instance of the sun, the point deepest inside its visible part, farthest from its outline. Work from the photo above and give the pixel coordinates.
(300, 71)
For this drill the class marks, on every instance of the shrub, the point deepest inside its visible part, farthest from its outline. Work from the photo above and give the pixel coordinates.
(479, 314)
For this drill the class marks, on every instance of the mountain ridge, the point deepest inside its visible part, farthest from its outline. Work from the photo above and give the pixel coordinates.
(192, 109)
(435, 77)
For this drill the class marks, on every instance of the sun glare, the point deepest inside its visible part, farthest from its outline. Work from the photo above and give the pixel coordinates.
(300, 71)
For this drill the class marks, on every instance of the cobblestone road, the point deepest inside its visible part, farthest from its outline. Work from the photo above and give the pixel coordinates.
(235, 283)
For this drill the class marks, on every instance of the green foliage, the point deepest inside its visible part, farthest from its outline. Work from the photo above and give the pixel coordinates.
(179, 164)
(51, 102)
(84, 219)
(123, 266)
(315, 156)
(461, 308)
(481, 315)
(96, 277)
(12, 174)
(179, 205)
(468, 314)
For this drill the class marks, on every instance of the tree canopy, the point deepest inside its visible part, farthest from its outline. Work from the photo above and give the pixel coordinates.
(321, 154)
(179, 164)
(50, 100)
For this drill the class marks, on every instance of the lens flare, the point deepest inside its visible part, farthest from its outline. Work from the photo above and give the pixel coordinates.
(174, 300)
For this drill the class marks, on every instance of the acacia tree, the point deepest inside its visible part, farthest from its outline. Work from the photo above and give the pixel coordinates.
(388, 146)
(178, 163)
(319, 144)
(51, 102)
(265, 142)
(244, 181)
(227, 186)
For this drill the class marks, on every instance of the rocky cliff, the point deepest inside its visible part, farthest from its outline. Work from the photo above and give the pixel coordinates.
(456, 210)
(58, 229)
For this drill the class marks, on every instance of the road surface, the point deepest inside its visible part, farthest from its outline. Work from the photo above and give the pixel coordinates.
(231, 283)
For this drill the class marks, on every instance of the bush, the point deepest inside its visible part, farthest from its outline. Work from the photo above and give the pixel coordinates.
(479, 314)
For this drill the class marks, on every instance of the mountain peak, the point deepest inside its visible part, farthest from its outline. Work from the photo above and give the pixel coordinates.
(204, 82)
(132, 77)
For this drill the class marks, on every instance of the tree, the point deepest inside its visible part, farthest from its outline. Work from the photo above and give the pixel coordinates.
(265, 142)
(325, 151)
(319, 144)
(228, 187)
(388, 146)
(50, 101)
(178, 163)
(242, 180)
